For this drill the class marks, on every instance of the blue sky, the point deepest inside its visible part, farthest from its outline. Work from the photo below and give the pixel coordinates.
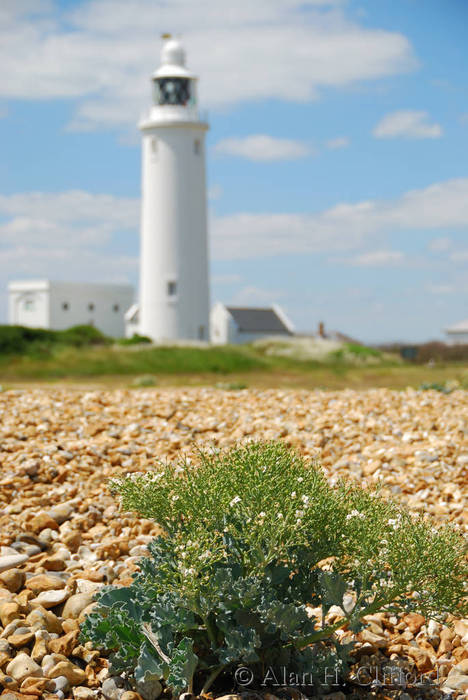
(337, 155)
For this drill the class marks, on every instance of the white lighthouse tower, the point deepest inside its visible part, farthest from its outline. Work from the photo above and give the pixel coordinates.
(174, 288)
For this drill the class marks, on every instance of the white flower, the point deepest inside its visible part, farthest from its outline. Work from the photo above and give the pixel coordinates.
(299, 513)
(293, 494)
(300, 479)
(279, 515)
(154, 476)
(262, 515)
(305, 499)
(394, 522)
(236, 499)
(355, 514)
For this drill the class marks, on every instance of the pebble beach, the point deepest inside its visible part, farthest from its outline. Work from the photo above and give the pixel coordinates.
(62, 536)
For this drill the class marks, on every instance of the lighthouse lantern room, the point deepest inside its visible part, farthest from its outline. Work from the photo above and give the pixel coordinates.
(174, 288)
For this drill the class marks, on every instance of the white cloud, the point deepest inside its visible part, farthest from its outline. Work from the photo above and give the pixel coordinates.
(344, 227)
(215, 192)
(72, 233)
(63, 264)
(103, 51)
(66, 236)
(229, 278)
(256, 295)
(410, 124)
(377, 258)
(441, 289)
(339, 142)
(261, 147)
(74, 219)
(440, 245)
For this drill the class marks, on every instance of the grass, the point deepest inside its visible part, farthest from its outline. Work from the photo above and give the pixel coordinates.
(83, 356)
(116, 360)
(230, 368)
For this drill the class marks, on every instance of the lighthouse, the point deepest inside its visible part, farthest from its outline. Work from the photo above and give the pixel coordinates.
(174, 287)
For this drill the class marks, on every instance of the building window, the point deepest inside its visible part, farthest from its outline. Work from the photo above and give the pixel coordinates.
(29, 305)
(197, 147)
(91, 307)
(172, 91)
(171, 288)
(115, 308)
(154, 146)
(65, 306)
(201, 332)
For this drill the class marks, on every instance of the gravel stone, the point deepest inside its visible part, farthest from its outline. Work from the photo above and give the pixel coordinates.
(23, 666)
(13, 579)
(73, 674)
(75, 604)
(113, 688)
(149, 690)
(10, 561)
(49, 599)
(71, 441)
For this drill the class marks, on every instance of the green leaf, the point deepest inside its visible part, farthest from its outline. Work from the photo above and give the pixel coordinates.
(150, 666)
(182, 666)
(240, 644)
(333, 588)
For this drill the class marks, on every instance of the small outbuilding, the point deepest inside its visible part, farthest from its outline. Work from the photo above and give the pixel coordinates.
(60, 305)
(242, 324)
(458, 333)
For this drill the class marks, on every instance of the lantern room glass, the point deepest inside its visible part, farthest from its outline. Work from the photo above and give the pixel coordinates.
(173, 91)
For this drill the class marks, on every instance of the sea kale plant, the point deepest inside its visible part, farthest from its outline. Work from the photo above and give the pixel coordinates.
(253, 540)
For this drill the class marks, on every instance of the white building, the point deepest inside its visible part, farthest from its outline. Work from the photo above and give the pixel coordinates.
(236, 324)
(59, 305)
(174, 289)
(458, 334)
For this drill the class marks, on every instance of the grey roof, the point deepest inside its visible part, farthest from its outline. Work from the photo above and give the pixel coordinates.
(255, 320)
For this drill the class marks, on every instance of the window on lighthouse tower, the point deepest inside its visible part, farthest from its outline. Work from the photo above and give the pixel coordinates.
(172, 91)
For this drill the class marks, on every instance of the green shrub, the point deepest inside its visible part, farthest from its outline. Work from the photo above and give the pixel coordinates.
(145, 380)
(362, 350)
(229, 583)
(136, 339)
(81, 336)
(20, 340)
(434, 351)
(231, 386)
(354, 354)
(17, 339)
(435, 386)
